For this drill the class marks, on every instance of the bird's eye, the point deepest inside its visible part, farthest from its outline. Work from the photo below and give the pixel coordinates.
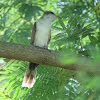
(52, 13)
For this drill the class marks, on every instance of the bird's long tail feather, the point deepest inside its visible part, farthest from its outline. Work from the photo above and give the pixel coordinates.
(30, 75)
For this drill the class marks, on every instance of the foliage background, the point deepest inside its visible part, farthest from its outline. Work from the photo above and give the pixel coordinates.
(78, 31)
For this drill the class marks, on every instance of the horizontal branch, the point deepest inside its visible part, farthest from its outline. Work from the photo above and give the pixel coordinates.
(37, 55)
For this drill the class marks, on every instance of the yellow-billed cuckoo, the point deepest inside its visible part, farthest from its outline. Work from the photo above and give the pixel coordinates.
(41, 34)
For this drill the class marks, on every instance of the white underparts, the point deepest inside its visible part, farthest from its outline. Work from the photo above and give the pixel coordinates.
(42, 33)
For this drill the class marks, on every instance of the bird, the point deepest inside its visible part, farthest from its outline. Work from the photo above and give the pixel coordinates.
(40, 36)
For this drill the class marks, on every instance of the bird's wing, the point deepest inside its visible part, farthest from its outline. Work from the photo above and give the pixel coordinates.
(49, 37)
(33, 34)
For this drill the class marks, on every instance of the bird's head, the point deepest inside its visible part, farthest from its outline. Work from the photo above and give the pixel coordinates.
(48, 15)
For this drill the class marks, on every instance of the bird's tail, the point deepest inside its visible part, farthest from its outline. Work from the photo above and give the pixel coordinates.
(30, 75)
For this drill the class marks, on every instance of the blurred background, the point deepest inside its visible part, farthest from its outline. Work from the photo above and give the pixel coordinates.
(77, 33)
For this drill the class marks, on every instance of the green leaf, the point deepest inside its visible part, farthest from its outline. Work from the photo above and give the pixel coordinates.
(29, 11)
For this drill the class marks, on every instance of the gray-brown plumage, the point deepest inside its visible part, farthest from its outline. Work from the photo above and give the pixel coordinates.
(40, 36)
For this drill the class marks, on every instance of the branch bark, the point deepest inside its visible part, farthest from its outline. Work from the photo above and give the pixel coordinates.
(38, 55)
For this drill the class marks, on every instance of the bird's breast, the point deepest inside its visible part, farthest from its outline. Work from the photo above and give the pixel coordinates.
(42, 35)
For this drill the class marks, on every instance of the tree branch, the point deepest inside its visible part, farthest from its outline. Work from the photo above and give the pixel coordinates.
(38, 55)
